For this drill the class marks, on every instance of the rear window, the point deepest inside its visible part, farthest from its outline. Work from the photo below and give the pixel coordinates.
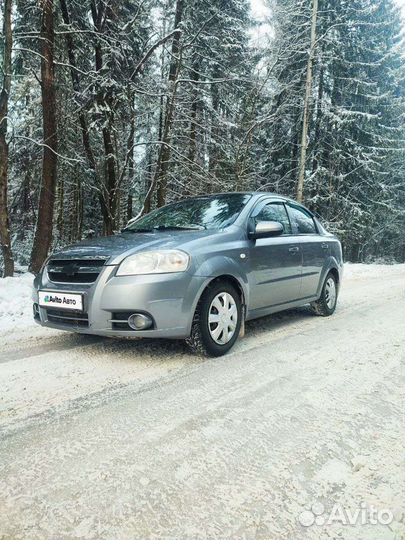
(302, 220)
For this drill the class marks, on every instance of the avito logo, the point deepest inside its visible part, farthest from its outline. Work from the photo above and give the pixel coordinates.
(50, 299)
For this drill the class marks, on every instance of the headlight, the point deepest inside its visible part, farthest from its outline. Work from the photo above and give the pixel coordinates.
(154, 262)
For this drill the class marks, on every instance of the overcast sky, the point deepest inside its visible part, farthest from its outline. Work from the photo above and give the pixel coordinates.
(258, 8)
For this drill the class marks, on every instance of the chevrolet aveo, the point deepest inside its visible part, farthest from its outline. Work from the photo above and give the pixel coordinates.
(194, 270)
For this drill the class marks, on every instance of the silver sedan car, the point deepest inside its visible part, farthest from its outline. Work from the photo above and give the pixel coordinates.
(194, 270)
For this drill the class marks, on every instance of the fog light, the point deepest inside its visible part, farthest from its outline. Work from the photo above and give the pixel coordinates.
(138, 321)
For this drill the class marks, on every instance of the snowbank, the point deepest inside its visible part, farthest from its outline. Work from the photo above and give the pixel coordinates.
(360, 271)
(15, 302)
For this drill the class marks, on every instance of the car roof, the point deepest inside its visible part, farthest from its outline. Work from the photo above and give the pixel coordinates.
(256, 194)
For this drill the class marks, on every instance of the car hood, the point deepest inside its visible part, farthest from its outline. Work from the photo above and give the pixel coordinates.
(116, 248)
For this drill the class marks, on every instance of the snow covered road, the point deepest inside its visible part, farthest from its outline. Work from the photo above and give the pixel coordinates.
(104, 439)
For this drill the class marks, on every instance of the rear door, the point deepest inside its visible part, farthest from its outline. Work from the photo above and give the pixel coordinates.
(275, 263)
(313, 245)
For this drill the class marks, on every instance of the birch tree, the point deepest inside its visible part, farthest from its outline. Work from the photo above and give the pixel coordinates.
(305, 112)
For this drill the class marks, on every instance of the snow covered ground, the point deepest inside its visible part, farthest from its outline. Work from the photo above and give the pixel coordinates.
(15, 302)
(105, 439)
(16, 320)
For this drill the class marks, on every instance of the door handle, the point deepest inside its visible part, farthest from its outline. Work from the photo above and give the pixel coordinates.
(324, 246)
(294, 249)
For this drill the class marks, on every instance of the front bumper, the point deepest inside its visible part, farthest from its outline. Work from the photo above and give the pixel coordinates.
(169, 299)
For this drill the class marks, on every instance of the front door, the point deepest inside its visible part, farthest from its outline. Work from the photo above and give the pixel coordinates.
(275, 263)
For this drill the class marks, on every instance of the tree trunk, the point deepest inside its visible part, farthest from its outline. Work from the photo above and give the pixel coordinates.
(43, 232)
(308, 89)
(215, 135)
(82, 118)
(4, 96)
(163, 160)
(192, 148)
(109, 201)
(60, 204)
(127, 199)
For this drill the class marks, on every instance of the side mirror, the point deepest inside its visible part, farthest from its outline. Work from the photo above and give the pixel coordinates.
(265, 229)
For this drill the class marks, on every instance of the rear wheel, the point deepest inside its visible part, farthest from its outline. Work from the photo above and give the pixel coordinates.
(217, 320)
(326, 304)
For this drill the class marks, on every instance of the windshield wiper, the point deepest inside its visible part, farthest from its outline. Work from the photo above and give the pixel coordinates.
(190, 227)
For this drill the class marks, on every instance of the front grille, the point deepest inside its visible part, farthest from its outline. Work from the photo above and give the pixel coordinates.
(68, 318)
(74, 270)
(119, 320)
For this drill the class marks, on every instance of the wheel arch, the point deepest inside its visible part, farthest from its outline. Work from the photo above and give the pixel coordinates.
(330, 268)
(233, 281)
(237, 282)
(335, 272)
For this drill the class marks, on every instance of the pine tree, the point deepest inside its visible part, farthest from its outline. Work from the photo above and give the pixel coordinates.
(354, 166)
(147, 113)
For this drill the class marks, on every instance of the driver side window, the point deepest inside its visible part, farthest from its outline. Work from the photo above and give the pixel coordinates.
(275, 212)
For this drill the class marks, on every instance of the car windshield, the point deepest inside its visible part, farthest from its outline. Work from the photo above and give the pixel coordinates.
(213, 212)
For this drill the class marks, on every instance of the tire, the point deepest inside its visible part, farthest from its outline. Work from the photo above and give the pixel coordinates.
(206, 337)
(326, 304)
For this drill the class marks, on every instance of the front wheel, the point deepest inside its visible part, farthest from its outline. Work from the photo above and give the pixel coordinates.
(217, 320)
(326, 304)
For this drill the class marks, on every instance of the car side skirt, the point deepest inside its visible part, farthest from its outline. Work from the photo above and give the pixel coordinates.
(262, 312)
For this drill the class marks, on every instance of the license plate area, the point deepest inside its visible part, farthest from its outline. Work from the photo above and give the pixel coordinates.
(61, 300)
